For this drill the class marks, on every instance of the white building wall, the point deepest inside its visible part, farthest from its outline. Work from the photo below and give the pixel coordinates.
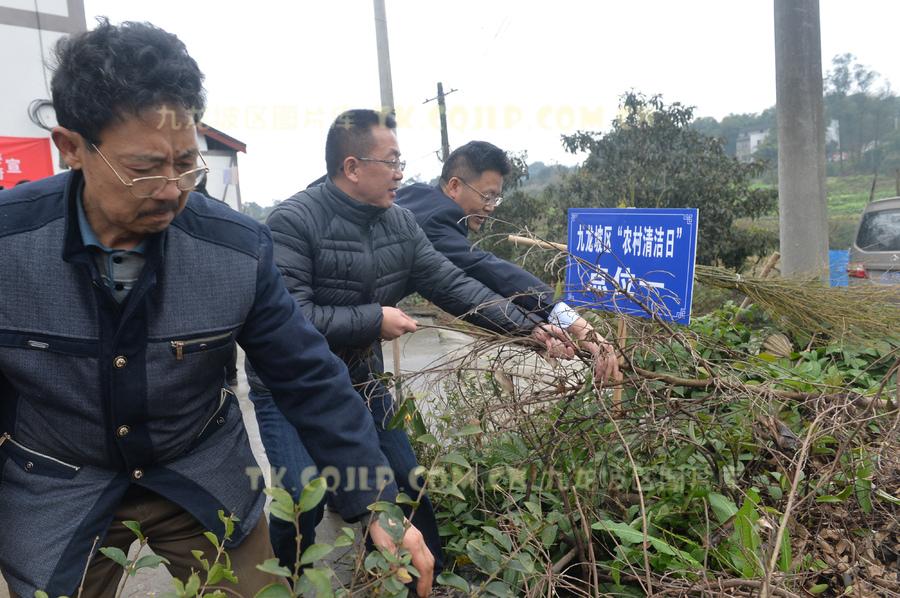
(26, 54)
(25, 74)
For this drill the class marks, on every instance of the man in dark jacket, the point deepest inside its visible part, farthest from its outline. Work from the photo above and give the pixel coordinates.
(348, 256)
(468, 192)
(123, 293)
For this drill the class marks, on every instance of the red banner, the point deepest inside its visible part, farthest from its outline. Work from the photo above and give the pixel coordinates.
(24, 159)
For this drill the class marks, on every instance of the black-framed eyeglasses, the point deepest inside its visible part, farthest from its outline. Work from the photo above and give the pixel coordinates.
(149, 186)
(489, 200)
(396, 165)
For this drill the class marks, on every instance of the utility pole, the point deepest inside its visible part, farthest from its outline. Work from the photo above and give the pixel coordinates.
(442, 111)
(387, 106)
(803, 214)
(384, 58)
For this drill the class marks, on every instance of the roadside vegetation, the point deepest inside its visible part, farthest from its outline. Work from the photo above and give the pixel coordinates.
(752, 453)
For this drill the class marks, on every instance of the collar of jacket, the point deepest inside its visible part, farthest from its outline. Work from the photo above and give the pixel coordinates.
(454, 209)
(352, 209)
(74, 250)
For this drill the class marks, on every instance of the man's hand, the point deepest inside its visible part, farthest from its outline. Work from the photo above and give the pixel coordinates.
(395, 323)
(422, 559)
(555, 340)
(606, 364)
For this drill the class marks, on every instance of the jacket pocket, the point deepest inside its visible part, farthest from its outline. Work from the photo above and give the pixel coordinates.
(48, 343)
(180, 348)
(218, 418)
(31, 461)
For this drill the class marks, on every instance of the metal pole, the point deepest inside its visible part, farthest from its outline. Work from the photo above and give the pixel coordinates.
(384, 58)
(803, 215)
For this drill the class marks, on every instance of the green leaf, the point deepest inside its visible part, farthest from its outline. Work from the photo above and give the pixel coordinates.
(213, 539)
(723, 507)
(469, 430)
(501, 538)
(40, 594)
(404, 499)
(375, 561)
(216, 574)
(615, 571)
(135, 528)
(115, 554)
(548, 535)
(315, 553)
(522, 563)
(274, 590)
(454, 458)
(863, 490)
(229, 526)
(279, 494)
(885, 496)
(389, 509)
(393, 524)
(273, 567)
(228, 574)
(786, 556)
(150, 561)
(428, 439)
(312, 495)
(498, 588)
(485, 555)
(318, 581)
(625, 533)
(192, 585)
(818, 588)
(449, 489)
(282, 505)
(346, 538)
(666, 548)
(829, 498)
(453, 580)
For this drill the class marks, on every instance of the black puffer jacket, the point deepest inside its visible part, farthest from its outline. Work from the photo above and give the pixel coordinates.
(343, 260)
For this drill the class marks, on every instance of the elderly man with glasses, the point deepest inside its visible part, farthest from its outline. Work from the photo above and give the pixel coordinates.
(467, 194)
(123, 295)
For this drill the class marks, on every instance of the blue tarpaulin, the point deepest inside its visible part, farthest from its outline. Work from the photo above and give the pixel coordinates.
(837, 269)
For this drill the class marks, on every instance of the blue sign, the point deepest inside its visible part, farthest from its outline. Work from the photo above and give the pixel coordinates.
(638, 262)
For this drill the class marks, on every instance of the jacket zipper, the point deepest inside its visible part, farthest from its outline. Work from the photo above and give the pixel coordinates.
(371, 271)
(179, 346)
(7, 438)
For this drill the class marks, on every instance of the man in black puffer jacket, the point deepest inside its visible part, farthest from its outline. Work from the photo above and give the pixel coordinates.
(468, 192)
(348, 255)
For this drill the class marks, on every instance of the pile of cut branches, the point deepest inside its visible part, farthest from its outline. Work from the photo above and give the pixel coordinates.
(736, 463)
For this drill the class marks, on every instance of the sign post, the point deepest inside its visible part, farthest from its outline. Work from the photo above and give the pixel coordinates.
(637, 262)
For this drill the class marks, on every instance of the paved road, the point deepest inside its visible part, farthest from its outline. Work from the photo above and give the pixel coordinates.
(418, 351)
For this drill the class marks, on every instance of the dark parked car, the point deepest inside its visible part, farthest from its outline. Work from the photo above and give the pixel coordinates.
(875, 254)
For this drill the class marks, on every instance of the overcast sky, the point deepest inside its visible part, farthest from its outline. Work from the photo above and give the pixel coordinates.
(278, 72)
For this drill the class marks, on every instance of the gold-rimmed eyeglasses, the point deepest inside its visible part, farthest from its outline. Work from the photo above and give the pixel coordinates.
(489, 200)
(396, 165)
(149, 186)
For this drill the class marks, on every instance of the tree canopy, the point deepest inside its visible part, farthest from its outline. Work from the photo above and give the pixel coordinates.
(653, 158)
